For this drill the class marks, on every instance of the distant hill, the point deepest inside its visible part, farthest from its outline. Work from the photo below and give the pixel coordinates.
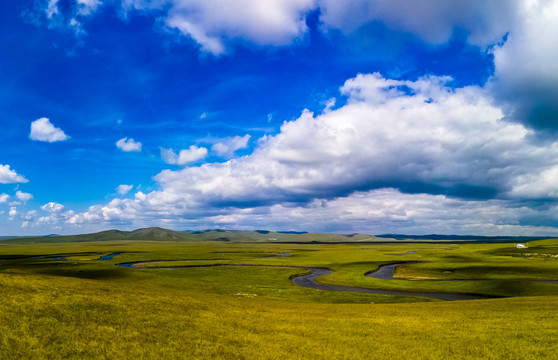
(160, 234)
(277, 236)
(154, 233)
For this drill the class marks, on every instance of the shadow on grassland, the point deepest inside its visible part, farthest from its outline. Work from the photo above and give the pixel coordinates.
(62, 268)
(93, 274)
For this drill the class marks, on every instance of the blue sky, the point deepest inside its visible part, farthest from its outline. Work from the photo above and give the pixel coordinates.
(309, 115)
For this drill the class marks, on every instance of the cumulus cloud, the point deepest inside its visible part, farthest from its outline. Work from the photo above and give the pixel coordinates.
(52, 207)
(124, 189)
(388, 210)
(438, 146)
(117, 210)
(227, 146)
(9, 176)
(526, 70)
(436, 140)
(23, 196)
(433, 21)
(43, 130)
(214, 23)
(376, 211)
(4, 198)
(128, 145)
(185, 156)
(56, 214)
(211, 23)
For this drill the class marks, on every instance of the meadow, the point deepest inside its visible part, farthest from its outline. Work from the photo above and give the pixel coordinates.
(60, 301)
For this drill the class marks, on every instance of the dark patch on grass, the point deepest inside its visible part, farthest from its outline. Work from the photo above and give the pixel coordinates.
(93, 274)
(459, 258)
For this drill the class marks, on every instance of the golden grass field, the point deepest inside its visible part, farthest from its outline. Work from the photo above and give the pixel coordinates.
(82, 308)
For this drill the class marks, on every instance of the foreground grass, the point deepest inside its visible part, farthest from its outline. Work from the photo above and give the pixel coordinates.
(48, 317)
(89, 309)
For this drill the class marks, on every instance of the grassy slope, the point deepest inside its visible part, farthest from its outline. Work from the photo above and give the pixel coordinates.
(52, 309)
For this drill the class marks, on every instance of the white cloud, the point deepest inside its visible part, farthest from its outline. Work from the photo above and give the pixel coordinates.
(116, 209)
(23, 196)
(417, 136)
(374, 212)
(88, 7)
(57, 214)
(184, 156)
(432, 20)
(128, 145)
(4, 198)
(124, 189)
(390, 211)
(526, 70)
(437, 136)
(13, 212)
(8, 176)
(227, 146)
(43, 130)
(529, 52)
(52, 207)
(212, 23)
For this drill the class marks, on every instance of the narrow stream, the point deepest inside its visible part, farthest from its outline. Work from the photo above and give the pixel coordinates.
(385, 272)
(109, 256)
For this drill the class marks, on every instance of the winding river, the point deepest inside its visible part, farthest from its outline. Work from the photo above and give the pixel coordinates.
(384, 272)
(309, 280)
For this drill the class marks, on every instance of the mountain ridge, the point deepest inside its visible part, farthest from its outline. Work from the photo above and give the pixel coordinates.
(162, 234)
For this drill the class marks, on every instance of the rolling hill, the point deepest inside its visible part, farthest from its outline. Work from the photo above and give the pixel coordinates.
(161, 234)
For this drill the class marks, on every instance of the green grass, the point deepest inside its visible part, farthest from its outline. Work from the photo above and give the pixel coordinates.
(54, 309)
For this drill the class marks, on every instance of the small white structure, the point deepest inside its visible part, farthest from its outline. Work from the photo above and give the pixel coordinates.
(520, 246)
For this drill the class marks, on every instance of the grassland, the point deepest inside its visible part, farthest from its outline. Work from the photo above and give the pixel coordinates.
(59, 302)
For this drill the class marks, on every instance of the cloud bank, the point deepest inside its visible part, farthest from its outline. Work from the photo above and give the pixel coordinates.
(396, 149)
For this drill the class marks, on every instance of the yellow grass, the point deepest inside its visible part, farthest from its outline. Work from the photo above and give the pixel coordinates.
(99, 311)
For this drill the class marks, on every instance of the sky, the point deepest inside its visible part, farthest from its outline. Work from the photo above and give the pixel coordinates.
(369, 116)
